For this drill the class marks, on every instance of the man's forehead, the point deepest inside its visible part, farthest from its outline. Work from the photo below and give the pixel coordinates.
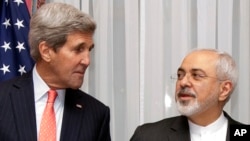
(201, 57)
(203, 60)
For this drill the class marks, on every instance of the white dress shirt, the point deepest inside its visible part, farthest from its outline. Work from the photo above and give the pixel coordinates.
(41, 90)
(216, 131)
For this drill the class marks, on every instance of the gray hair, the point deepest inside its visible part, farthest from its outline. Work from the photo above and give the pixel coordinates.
(226, 68)
(53, 22)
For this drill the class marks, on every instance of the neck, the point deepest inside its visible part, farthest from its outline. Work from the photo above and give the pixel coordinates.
(205, 118)
(46, 75)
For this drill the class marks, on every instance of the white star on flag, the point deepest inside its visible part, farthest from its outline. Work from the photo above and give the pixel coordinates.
(18, 2)
(15, 59)
(20, 46)
(21, 69)
(5, 68)
(7, 23)
(19, 23)
(6, 46)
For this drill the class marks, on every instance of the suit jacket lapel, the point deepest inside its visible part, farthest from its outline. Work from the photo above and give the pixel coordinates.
(180, 130)
(230, 122)
(22, 98)
(72, 116)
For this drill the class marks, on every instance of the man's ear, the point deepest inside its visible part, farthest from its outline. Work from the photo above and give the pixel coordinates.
(225, 90)
(44, 51)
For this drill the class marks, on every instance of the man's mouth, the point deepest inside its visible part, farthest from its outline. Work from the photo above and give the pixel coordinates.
(81, 73)
(183, 96)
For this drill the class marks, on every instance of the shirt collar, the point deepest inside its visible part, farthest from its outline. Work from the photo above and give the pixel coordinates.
(197, 129)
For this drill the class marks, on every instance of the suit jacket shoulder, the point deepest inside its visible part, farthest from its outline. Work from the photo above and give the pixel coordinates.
(17, 109)
(170, 129)
(231, 121)
(85, 118)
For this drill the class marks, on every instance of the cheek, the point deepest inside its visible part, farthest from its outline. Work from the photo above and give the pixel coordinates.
(177, 88)
(66, 59)
(205, 90)
(63, 65)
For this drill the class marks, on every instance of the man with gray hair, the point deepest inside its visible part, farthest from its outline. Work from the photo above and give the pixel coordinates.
(204, 83)
(46, 104)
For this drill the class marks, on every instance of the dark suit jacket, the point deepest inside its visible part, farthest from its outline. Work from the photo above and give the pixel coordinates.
(18, 119)
(170, 129)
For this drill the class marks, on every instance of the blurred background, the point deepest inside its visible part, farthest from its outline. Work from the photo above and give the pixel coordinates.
(140, 43)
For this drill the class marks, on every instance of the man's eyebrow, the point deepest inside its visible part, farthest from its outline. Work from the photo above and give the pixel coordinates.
(83, 44)
(192, 70)
(181, 69)
(80, 44)
(198, 70)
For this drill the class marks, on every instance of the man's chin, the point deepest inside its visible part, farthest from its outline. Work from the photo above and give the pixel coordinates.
(187, 109)
(76, 85)
(184, 103)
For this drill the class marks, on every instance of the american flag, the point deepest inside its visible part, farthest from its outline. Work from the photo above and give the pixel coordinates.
(15, 58)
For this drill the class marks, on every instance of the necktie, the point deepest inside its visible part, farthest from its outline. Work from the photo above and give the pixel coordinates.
(48, 123)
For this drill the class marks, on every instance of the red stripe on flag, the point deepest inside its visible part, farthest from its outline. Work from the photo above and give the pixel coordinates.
(29, 5)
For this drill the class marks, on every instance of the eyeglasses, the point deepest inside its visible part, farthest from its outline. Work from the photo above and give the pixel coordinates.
(194, 75)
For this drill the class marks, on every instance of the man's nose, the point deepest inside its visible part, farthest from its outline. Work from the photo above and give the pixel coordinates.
(86, 59)
(185, 81)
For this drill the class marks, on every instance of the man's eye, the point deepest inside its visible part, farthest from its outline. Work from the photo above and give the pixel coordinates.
(197, 76)
(79, 49)
(91, 48)
(180, 75)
